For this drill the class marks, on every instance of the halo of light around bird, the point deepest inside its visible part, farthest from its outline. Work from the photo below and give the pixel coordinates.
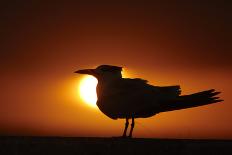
(87, 90)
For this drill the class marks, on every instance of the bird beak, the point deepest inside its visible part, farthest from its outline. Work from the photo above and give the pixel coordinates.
(86, 71)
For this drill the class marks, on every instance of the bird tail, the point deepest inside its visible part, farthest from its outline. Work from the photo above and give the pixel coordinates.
(193, 100)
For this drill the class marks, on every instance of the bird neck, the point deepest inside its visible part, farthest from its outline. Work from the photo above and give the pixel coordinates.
(103, 85)
(108, 77)
(105, 80)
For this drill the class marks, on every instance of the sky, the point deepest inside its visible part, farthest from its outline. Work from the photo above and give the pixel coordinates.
(43, 43)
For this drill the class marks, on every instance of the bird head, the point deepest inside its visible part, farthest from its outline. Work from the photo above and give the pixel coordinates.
(103, 72)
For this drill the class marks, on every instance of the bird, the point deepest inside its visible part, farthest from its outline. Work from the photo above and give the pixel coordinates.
(131, 98)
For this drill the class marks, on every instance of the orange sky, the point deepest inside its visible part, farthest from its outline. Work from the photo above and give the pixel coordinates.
(44, 43)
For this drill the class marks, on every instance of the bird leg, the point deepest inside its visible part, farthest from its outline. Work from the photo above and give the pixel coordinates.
(126, 126)
(132, 127)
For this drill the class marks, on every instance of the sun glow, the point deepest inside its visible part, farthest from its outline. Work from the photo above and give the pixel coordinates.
(87, 90)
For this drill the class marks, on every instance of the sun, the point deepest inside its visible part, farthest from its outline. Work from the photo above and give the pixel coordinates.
(87, 90)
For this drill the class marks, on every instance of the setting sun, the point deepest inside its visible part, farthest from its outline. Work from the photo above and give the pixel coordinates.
(87, 90)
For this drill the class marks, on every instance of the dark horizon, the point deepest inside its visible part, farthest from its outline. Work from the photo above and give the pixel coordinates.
(85, 145)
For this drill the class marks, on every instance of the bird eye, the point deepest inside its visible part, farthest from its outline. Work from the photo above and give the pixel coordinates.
(106, 70)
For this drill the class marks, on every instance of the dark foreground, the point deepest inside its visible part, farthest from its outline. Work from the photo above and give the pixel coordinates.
(112, 146)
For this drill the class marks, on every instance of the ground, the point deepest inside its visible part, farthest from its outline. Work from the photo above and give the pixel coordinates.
(112, 146)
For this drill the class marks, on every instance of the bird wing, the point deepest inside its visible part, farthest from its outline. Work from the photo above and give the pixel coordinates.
(141, 88)
(136, 97)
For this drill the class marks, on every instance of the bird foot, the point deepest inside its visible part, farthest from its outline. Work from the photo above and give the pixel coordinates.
(126, 136)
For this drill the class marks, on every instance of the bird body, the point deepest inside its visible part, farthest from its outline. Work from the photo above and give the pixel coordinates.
(126, 98)
(134, 98)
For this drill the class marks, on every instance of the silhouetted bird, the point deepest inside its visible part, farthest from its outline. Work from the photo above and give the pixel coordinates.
(134, 98)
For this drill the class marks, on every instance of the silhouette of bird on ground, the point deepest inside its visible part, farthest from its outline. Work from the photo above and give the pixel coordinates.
(134, 98)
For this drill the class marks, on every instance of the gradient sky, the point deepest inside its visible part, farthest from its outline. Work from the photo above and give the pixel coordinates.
(43, 43)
